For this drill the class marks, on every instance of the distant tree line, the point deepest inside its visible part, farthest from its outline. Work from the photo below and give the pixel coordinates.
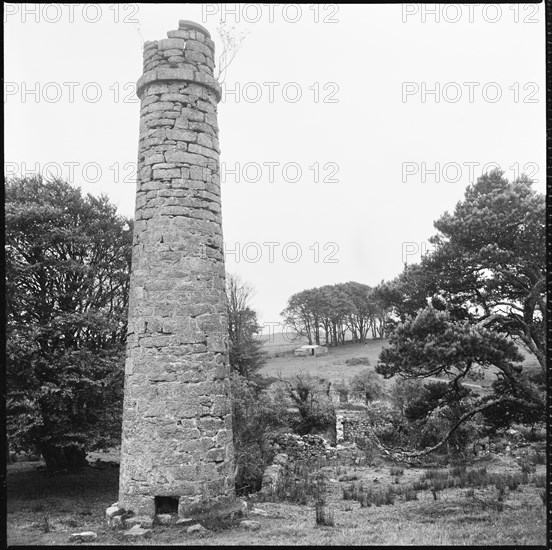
(327, 314)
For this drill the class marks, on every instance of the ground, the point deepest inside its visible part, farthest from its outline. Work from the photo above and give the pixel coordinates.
(45, 510)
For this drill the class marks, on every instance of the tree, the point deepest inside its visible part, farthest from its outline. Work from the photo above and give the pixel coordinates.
(403, 392)
(67, 275)
(434, 344)
(490, 255)
(245, 354)
(368, 384)
(335, 309)
(487, 265)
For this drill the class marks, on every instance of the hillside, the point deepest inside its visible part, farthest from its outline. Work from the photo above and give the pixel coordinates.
(333, 367)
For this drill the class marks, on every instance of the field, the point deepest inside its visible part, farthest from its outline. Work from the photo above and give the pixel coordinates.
(334, 368)
(45, 510)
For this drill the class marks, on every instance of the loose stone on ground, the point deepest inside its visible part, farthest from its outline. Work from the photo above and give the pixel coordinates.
(137, 531)
(250, 525)
(197, 528)
(85, 536)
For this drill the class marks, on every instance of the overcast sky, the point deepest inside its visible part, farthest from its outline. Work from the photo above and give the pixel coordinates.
(351, 128)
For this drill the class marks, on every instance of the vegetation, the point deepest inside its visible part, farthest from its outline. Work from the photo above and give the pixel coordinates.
(67, 275)
(256, 415)
(367, 384)
(245, 350)
(330, 311)
(485, 283)
(311, 396)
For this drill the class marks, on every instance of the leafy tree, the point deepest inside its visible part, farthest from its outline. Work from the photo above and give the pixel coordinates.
(434, 344)
(490, 255)
(332, 310)
(487, 265)
(368, 384)
(246, 354)
(403, 391)
(67, 275)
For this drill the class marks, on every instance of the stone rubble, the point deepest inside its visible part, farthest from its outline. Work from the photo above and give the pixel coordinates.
(137, 531)
(250, 525)
(85, 536)
(197, 528)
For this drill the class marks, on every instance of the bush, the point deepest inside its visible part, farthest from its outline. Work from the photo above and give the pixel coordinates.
(527, 467)
(353, 361)
(457, 471)
(540, 481)
(256, 415)
(387, 424)
(368, 385)
(403, 391)
(310, 395)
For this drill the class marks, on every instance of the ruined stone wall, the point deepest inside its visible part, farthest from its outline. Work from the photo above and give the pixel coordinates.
(312, 449)
(177, 431)
(354, 427)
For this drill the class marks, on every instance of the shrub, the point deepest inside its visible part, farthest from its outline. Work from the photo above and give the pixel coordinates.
(538, 458)
(348, 492)
(387, 424)
(435, 474)
(348, 477)
(420, 486)
(540, 480)
(403, 391)
(512, 482)
(353, 361)
(457, 471)
(527, 467)
(256, 414)
(382, 497)
(368, 385)
(310, 395)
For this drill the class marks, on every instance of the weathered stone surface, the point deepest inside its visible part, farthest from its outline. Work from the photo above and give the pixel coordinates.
(113, 511)
(250, 525)
(165, 519)
(117, 521)
(259, 512)
(142, 521)
(177, 432)
(85, 536)
(197, 528)
(137, 531)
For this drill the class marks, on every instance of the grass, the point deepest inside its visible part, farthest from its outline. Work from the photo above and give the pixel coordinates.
(45, 510)
(345, 362)
(332, 367)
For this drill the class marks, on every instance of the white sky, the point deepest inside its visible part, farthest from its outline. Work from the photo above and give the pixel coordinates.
(377, 208)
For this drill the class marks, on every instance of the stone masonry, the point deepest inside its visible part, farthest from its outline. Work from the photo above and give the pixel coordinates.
(177, 453)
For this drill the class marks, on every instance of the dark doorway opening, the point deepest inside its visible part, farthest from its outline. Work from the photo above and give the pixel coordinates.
(166, 505)
(312, 351)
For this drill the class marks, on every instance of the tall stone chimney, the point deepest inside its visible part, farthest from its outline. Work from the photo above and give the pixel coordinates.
(177, 451)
